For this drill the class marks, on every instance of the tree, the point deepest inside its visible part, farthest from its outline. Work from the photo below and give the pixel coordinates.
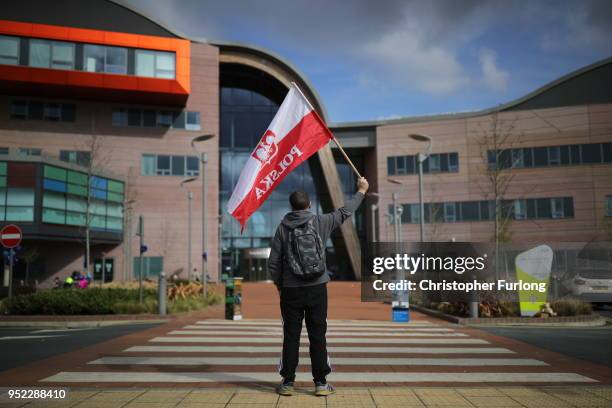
(96, 163)
(496, 143)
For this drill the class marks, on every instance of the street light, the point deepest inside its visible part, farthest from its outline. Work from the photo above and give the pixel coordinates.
(373, 208)
(203, 160)
(397, 211)
(189, 198)
(401, 296)
(421, 157)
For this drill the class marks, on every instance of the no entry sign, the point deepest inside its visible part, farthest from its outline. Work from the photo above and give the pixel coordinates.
(10, 236)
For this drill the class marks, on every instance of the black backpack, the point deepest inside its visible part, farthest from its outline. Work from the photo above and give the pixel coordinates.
(304, 251)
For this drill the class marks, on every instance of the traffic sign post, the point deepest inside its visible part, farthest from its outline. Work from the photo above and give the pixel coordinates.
(10, 238)
(143, 249)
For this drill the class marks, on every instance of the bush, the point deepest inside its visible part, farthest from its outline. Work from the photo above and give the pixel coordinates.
(571, 307)
(95, 301)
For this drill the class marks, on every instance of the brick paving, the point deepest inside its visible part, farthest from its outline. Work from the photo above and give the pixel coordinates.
(382, 397)
(208, 361)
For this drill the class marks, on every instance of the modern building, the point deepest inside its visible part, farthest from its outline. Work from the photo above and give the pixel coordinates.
(101, 108)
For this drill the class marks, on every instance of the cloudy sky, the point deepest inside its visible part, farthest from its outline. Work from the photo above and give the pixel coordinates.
(373, 59)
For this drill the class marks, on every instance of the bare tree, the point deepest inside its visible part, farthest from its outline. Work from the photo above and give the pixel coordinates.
(436, 210)
(95, 164)
(496, 148)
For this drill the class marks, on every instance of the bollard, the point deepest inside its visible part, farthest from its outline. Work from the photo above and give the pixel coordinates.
(233, 298)
(473, 309)
(161, 294)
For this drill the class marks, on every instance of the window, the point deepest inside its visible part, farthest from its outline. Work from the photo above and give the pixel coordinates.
(540, 156)
(51, 54)
(9, 50)
(193, 168)
(178, 120)
(65, 199)
(17, 204)
(609, 206)
(591, 153)
(453, 162)
(147, 165)
(4, 150)
(29, 151)
(391, 166)
(556, 205)
(53, 111)
(554, 156)
(37, 110)
(94, 57)
(164, 119)
(470, 211)
(134, 117)
(164, 165)
(607, 152)
(415, 213)
(152, 118)
(120, 117)
(193, 121)
(434, 163)
(178, 165)
(518, 160)
(74, 156)
(575, 155)
(19, 109)
(588, 153)
(155, 64)
(543, 208)
(400, 164)
(520, 210)
(98, 58)
(149, 118)
(450, 214)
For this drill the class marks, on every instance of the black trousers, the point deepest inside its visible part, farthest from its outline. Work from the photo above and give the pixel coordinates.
(308, 302)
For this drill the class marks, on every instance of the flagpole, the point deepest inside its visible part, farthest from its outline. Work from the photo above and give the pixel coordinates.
(332, 135)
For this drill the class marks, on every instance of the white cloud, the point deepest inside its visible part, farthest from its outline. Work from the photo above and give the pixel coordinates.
(493, 76)
(424, 67)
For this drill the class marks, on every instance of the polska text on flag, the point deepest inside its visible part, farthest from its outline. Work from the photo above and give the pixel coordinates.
(295, 134)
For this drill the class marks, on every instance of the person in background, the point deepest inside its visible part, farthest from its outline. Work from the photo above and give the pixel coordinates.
(68, 282)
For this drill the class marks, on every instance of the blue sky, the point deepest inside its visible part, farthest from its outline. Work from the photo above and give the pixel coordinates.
(385, 59)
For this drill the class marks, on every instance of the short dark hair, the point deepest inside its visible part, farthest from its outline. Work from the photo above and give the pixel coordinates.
(299, 200)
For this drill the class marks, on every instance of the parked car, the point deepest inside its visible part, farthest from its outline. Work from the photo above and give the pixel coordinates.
(591, 284)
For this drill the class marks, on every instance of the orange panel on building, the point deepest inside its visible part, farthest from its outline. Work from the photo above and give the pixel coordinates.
(96, 85)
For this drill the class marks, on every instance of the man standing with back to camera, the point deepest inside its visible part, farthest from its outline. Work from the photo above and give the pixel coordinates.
(297, 267)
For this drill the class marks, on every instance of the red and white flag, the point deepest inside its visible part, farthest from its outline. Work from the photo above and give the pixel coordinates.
(295, 134)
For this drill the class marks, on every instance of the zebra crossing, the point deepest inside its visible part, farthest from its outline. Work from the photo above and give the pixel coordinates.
(229, 352)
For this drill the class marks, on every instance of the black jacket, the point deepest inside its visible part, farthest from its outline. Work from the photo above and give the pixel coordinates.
(324, 224)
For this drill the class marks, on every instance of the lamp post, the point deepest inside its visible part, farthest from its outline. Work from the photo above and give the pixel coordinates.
(373, 208)
(401, 296)
(203, 161)
(421, 157)
(397, 212)
(189, 198)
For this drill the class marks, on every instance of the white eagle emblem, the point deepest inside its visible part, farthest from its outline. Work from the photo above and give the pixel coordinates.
(266, 148)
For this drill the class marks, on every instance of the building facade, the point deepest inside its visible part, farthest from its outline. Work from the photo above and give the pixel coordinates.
(101, 105)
